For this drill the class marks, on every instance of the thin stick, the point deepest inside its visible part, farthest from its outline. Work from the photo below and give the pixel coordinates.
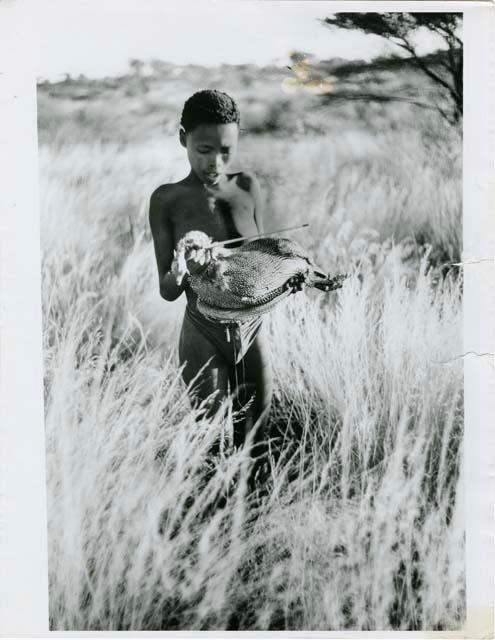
(222, 243)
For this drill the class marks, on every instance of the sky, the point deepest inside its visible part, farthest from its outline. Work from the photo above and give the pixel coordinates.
(98, 37)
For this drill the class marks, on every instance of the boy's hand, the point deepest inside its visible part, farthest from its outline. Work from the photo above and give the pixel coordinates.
(296, 283)
(197, 259)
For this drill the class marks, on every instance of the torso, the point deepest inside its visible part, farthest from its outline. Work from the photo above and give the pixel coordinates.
(222, 212)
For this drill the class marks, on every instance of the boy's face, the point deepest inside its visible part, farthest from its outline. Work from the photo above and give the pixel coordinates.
(210, 149)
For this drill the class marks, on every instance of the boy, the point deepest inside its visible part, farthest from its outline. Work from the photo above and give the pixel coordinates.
(224, 206)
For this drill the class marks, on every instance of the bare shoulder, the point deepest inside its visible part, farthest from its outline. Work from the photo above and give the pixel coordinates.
(163, 194)
(162, 201)
(247, 182)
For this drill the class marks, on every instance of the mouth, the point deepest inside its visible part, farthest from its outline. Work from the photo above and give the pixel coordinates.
(211, 176)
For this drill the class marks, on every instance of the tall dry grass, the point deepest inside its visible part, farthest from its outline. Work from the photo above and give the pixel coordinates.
(358, 526)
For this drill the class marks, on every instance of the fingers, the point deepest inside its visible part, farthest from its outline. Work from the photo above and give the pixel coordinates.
(295, 284)
(193, 255)
(199, 255)
(291, 283)
(197, 259)
(190, 253)
(206, 256)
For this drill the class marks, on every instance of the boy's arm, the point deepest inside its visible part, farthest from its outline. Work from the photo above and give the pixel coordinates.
(258, 204)
(163, 240)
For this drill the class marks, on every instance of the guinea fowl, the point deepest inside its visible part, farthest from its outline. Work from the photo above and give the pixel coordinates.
(242, 283)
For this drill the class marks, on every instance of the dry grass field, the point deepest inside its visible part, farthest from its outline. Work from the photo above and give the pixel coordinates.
(358, 526)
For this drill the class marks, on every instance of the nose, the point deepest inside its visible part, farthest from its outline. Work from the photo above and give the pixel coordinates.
(216, 162)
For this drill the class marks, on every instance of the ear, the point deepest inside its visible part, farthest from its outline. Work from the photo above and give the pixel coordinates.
(182, 136)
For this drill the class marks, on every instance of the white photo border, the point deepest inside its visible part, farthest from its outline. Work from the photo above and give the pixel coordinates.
(23, 518)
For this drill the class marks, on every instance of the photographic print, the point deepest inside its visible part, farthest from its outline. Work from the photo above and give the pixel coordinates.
(251, 229)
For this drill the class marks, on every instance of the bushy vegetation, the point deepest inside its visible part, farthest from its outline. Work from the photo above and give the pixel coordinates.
(357, 526)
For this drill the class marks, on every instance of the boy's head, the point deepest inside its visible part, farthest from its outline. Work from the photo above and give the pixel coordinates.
(209, 131)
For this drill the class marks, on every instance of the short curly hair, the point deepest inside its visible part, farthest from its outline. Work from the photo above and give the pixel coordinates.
(209, 107)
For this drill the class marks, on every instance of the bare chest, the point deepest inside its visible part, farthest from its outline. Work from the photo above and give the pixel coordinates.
(221, 216)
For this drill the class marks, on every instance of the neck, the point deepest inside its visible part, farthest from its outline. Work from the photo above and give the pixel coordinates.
(193, 179)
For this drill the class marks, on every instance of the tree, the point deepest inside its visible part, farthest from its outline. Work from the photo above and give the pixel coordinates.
(137, 66)
(399, 28)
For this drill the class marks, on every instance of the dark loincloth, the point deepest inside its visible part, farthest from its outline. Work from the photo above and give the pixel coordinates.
(232, 340)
